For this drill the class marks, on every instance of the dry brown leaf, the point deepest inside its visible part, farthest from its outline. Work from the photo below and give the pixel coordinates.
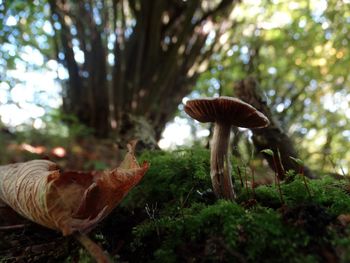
(67, 201)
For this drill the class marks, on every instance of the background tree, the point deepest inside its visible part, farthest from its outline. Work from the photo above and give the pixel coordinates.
(297, 51)
(131, 62)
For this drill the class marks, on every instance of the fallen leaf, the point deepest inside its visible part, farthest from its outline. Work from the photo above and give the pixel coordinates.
(67, 201)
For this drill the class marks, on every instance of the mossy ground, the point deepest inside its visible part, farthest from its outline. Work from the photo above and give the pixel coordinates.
(172, 216)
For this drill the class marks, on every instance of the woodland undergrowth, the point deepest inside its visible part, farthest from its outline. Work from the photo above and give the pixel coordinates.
(172, 216)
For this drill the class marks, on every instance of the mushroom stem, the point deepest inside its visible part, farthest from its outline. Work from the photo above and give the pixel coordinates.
(220, 168)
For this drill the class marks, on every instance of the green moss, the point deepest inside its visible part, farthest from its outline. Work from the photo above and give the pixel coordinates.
(342, 244)
(177, 178)
(172, 217)
(223, 232)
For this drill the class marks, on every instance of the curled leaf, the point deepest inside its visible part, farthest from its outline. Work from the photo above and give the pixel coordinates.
(268, 152)
(67, 201)
(297, 161)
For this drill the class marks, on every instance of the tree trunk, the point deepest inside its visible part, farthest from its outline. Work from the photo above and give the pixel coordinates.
(138, 59)
(271, 137)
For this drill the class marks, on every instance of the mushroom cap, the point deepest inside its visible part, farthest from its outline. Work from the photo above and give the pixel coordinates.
(226, 110)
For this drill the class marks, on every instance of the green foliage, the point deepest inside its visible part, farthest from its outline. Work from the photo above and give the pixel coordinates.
(298, 161)
(168, 221)
(342, 242)
(268, 151)
(174, 177)
(222, 232)
(61, 124)
(326, 192)
(172, 217)
(298, 51)
(60, 129)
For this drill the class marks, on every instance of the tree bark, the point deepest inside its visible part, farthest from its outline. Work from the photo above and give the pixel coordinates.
(158, 48)
(272, 137)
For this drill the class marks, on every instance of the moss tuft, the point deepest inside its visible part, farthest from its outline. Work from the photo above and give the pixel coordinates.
(173, 217)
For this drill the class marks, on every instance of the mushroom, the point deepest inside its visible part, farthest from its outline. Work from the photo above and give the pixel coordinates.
(224, 112)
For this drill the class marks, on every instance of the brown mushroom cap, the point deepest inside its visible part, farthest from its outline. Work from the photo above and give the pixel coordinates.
(226, 110)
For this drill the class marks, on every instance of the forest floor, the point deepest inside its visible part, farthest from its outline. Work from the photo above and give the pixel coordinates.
(172, 215)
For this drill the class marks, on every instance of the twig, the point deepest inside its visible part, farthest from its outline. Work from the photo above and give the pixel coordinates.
(240, 176)
(277, 180)
(335, 166)
(151, 212)
(95, 250)
(304, 179)
(246, 179)
(11, 227)
(279, 190)
(233, 253)
(302, 174)
(253, 181)
(281, 165)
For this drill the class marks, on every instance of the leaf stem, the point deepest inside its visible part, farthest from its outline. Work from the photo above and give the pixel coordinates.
(95, 250)
(305, 183)
(277, 180)
(253, 181)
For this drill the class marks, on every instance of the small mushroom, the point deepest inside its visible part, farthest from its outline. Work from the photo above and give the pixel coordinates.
(224, 112)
